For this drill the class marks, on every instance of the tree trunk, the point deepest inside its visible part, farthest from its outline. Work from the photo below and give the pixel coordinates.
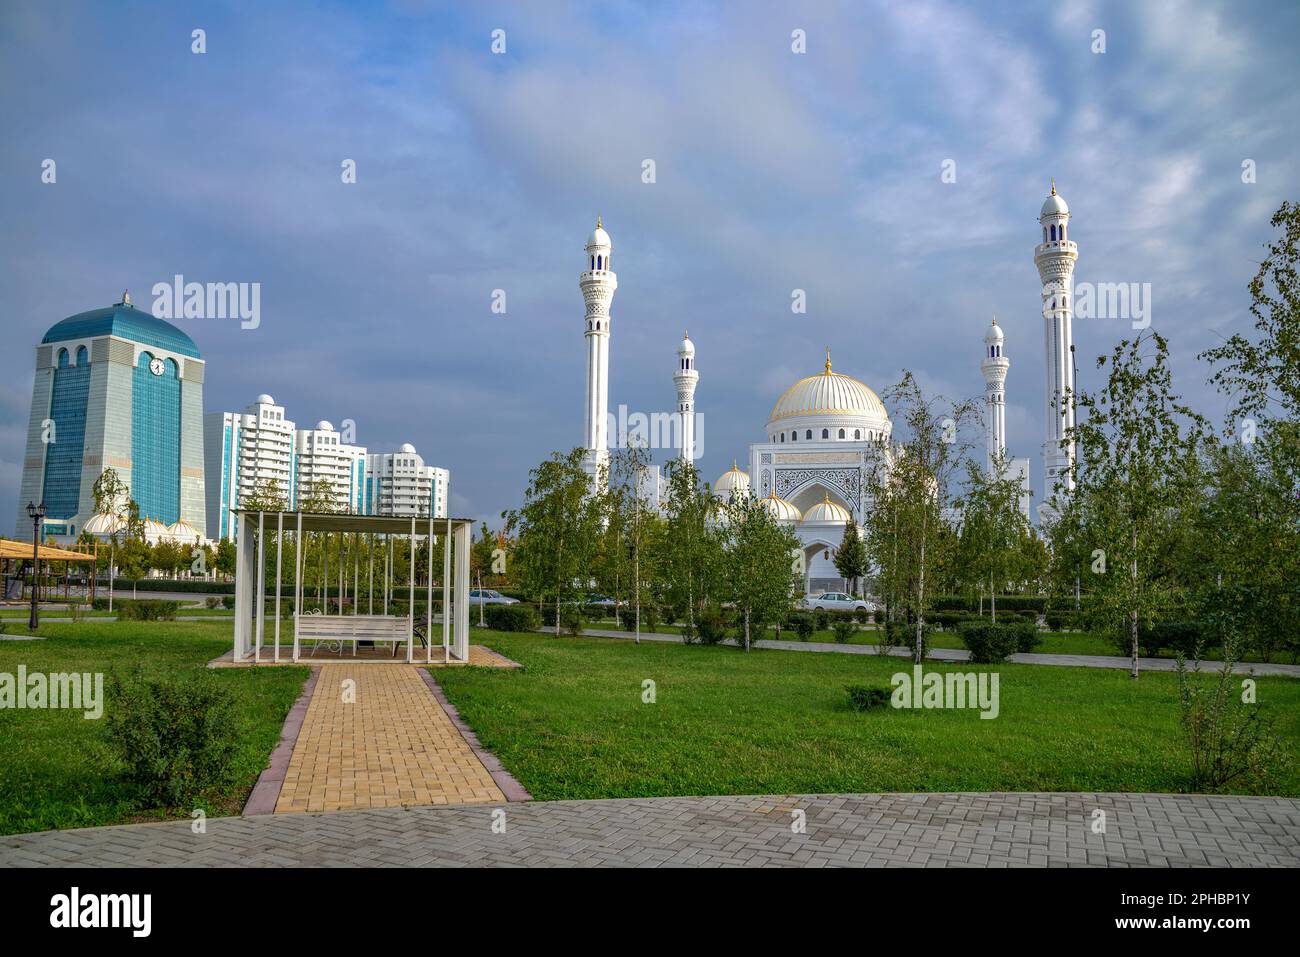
(993, 602)
(920, 603)
(746, 628)
(636, 590)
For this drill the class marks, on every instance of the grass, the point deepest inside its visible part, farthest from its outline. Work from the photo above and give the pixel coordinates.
(571, 724)
(56, 768)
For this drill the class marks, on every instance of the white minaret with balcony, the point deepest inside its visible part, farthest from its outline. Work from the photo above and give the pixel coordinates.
(994, 366)
(686, 378)
(598, 283)
(1055, 256)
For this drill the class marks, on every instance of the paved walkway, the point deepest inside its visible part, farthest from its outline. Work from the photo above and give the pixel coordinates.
(376, 737)
(853, 830)
(961, 654)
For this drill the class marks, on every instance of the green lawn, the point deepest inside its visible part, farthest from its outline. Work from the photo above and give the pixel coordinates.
(55, 767)
(571, 724)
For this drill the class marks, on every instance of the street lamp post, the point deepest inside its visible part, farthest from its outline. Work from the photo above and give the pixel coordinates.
(37, 514)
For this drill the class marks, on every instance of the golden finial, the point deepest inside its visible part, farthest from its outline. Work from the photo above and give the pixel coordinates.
(1053, 185)
(733, 466)
(598, 214)
(826, 499)
(828, 360)
(687, 334)
(995, 318)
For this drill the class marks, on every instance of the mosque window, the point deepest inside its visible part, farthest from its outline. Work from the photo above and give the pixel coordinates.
(809, 435)
(857, 433)
(1052, 230)
(599, 260)
(794, 435)
(841, 433)
(826, 433)
(782, 436)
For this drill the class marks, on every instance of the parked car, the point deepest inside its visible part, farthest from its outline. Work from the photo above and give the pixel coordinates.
(837, 601)
(486, 596)
(603, 601)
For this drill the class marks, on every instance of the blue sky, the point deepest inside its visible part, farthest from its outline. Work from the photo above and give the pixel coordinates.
(775, 171)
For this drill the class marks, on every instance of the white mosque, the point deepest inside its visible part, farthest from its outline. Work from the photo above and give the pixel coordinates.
(827, 431)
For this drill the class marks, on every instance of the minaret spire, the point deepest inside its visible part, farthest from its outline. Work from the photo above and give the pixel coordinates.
(598, 283)
(1055, 256)
(686, 378)
(994, 366)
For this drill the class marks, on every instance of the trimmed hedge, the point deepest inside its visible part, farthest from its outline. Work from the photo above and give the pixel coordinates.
(990, 643)
(519, 617)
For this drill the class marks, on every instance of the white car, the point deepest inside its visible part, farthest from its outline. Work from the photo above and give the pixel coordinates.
(486, 596)
(837, 601)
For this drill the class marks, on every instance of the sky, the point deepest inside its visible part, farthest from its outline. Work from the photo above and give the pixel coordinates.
(774, 170)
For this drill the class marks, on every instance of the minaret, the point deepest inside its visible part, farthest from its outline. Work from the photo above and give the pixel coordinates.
(1055, 256)
(686, 377)
(598, 283)
(994, 366)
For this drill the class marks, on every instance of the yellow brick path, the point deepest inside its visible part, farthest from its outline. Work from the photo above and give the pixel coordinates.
(394, 745)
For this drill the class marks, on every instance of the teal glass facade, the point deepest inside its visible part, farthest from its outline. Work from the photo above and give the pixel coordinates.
(62, 486)
(156, 440)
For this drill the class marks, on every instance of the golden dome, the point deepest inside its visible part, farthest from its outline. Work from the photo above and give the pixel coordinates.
(827, 511)
(732, 480)
(828, 393)
(782, 510)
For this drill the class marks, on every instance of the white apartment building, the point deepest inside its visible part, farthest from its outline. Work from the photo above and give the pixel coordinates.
(401, 484)
(240, 451)
(322, 456)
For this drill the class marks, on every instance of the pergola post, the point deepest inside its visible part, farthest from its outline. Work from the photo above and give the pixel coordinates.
(244, 575)
(261, 588)
(410, 598)
(446, 595)
(428, 596)
(297, 584)
(279, 552)
(462, 591)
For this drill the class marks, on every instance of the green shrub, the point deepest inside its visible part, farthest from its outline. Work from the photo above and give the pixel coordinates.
(571, 619)
(228, 602)
(1056, 620)
(821, 619)
(212, 601)
(175, 735)
(801, 623)
(712, 625)
(519, 617)
(866, 697)
(843, 630)
(146, 609)
(861, 616)
(649, 618)
(990, 643)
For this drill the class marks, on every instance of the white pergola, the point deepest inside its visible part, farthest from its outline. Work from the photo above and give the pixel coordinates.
(254, 528)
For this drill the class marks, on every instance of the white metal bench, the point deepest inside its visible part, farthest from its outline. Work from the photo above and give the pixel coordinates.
(334, 630)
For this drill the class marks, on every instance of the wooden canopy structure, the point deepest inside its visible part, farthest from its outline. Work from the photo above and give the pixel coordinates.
(257, 529)
(14, 551)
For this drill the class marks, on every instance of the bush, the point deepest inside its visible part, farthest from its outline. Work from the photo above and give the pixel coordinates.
(865, 697)
(212, 601)
(987, 643)
(861, 616)
(146, 610)
(843, 630)
(821, 619)
(228, 602)
(801, 623)
(175, 735)
(1057, 620)
(571, 619)
(712, 626)
(1025, 634)
(519, 617)
(948, 620)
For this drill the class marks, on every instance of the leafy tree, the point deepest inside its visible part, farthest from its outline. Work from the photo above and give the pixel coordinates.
(268, 496)
(991, 542)
(851, 558)
(628, 523)
(1139, 483)
(110, 493)
(690, 547)
(557, 527)
(318, 497)
(759, 575)
(225, 560)
(909, 535)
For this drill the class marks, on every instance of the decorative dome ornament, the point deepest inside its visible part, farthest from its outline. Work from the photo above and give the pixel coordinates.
(781, 510)
(830, 394)
(104, 523)
(732, 481)
(827, 511)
